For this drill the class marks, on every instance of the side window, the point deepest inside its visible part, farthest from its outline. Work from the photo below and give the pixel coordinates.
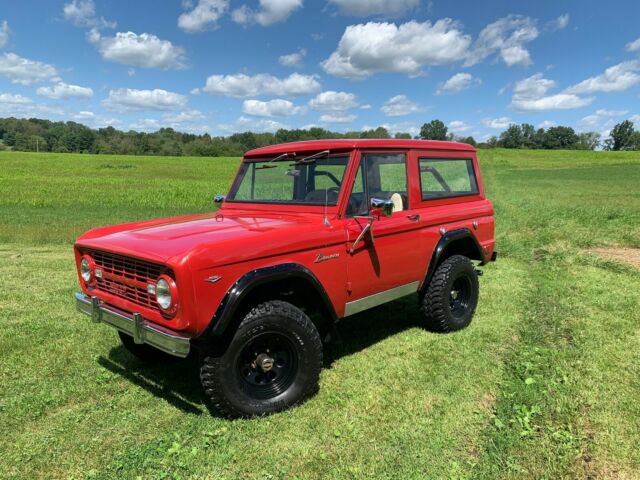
(380, 176)
(444, 178)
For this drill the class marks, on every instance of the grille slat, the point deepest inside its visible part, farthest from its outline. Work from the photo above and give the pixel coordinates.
(127, 277)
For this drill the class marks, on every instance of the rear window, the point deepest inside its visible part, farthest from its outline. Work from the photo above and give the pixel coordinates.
(444, 178)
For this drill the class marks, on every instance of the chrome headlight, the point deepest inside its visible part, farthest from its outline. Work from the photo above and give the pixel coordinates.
(167, 294)
(86, 269)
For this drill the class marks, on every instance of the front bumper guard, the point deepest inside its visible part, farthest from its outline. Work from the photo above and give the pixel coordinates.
(133, 324)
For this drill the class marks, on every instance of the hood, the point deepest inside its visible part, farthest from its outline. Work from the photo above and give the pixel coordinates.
(227, 236)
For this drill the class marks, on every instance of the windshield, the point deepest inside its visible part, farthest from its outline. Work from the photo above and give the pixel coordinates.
(316, 182)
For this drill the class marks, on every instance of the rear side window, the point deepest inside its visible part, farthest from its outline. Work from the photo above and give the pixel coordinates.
(444, 178)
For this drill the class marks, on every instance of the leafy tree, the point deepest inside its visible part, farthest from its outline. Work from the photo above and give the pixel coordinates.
(564, 138)
(405, 136)
(434, 130)
(379, 132)
(511, 137)
(621, 137)
(588, 141)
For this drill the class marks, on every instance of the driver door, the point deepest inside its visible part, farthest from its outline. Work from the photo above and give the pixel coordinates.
(386, 267)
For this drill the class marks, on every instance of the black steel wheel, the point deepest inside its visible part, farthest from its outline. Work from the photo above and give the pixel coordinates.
(272, 363)
(451, 297)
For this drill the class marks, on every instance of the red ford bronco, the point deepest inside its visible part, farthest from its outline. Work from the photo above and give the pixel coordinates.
(309, 233)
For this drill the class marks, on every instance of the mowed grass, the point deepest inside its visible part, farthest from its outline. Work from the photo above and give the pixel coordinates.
(544, 384)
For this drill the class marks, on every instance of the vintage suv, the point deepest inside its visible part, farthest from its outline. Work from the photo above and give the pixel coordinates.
(309, 233)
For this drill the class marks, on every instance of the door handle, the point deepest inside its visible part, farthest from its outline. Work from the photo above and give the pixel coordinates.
(414, 217)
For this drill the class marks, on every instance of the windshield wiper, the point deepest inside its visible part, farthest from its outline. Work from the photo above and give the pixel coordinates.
(312, 158)
(279, 157)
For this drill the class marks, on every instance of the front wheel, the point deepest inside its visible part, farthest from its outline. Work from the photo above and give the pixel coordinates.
(272, 363)
(452, 295)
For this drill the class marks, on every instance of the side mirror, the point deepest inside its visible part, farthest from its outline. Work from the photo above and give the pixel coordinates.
(381, 207)
(218, 198)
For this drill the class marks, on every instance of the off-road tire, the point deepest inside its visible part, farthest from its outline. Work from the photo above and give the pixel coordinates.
(142, 351)
(232, 386)
(440, 310)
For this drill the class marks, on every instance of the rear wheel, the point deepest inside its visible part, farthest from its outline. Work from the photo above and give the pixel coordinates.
(452, 295)
(272, 363)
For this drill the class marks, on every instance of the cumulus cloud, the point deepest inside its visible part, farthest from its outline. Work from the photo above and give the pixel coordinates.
(631, 46)
(458, 126)
(458, 83)
(334, 101)
(497, 123)
(399, 106)
(82, 13)
(559, 23)
(367, 8)
(293, 59)
(530, 95)
(23, 107)
(241, 85)
(269, 13)
(144, 50)
(63, 90)
(614, 79)
(127, 99)
(385, 47)
(600, 120)
(272, 108)
(244, 124)
(204, 15)
(506, 37)
(4, 33)
(338, 117)
(26, 72)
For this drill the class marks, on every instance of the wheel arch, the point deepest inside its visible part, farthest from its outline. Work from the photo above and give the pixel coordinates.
(455, 242)
(290, 282)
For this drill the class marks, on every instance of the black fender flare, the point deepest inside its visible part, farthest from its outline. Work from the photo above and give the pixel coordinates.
(224, 315)
(443, 243)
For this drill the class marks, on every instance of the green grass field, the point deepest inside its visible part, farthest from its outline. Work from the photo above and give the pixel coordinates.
(545, 384)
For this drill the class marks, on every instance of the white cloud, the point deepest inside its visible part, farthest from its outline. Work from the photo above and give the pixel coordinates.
(458, 126)
(84, 115)
(187, 121)
(26, 72)
(270, 12)
(636, 120)
(400, 105)
(506, 37)
(338, 117)
(392, 128)
(600, 120)
(458, 83)
(293, 59)
(367, 8)
(631, 46)
(82, 13)
(241, 85)
(205, 15)
(144, 50)
(244, 124)
(384, 47)
(547, 124)
(19, 106)
(366, 107)
(334, 101)
(63, 90)
(559, 23)
(187, 116)
(497, 123)
(530, 95)
(127, 99)
(4, 33)
(10, 99)
(614, 79)
(272, 108)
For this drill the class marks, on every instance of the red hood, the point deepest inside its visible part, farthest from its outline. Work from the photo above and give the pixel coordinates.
(224, 237)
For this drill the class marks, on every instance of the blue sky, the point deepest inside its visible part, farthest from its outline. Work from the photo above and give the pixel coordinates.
(222, 66)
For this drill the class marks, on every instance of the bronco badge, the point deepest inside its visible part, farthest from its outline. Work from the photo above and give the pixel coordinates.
(323, 258)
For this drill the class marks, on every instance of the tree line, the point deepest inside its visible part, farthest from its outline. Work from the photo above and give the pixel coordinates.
(71, 137)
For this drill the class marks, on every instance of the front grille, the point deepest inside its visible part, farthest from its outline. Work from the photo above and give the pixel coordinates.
(126, 277)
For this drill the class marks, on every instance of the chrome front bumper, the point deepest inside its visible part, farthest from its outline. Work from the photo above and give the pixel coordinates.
(142, 331)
